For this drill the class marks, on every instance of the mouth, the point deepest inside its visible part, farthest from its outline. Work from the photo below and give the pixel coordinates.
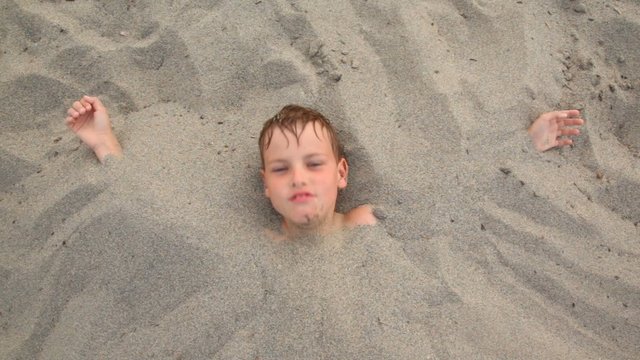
(300, 197)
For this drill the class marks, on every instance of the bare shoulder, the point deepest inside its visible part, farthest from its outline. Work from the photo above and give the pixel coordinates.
(361, 215)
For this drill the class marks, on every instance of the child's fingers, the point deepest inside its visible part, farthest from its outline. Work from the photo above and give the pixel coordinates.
(77, 106)
(71, 123)
(573, 121)
(71, 112)
(570, 113)
(560, 115)
(564, 114)
(86, 104)
(95, 102)
(569, 132)
(564, 142)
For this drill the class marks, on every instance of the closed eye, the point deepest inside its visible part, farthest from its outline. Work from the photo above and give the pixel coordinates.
(279, 169)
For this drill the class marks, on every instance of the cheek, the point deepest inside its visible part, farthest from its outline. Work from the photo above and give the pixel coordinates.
(330, 183)
(276, 186)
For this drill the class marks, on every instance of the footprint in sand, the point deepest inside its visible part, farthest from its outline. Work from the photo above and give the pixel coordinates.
(119, 21)
(69, 205)
(28, 97)
(515, 229)
(164, 66)
(610, 73)
(622, 53)
(304, 39)
(420, 106)
(133, 284)
(160, 65)
(13, 170)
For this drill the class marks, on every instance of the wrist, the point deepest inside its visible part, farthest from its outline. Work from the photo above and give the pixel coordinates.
(109, 147)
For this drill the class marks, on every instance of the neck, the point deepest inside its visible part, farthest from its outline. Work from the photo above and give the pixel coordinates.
(331, 224)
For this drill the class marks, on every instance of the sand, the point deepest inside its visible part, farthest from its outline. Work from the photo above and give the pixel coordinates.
(487, 250)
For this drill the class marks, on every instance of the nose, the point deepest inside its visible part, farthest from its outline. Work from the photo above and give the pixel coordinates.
(298, 177)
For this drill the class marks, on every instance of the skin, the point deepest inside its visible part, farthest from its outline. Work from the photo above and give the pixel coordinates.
(308, 168)
(551, 129)
(88, 118)
(302, 180)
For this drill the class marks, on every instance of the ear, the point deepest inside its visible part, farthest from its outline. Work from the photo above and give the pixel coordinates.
(343, 173)
(266, 190)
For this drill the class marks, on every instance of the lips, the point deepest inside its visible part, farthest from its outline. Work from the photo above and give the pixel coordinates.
(301, 197)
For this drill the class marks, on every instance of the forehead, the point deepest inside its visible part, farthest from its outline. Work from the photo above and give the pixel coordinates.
(312, 138)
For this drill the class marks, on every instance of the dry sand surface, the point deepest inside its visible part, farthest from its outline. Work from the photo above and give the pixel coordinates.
(487, 250)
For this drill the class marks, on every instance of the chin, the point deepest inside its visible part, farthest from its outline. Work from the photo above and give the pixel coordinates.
(304, 221)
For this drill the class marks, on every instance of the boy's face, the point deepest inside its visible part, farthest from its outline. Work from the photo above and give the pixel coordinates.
(302, 178)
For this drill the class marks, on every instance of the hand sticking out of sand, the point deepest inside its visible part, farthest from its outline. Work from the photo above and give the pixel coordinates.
(551, 129)
(89, 119)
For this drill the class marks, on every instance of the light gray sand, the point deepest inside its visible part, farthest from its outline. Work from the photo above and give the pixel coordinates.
(487, 250)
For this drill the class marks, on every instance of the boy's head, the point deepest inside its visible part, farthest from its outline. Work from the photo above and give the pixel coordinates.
(293, 119)
(302, 166)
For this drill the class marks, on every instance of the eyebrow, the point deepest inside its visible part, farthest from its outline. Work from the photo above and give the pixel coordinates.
(314, 155)
(276, 161)
(306, 157)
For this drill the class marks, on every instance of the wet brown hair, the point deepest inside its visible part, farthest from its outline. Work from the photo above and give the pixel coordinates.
(293, 119)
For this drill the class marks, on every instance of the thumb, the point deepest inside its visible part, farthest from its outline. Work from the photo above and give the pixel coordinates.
(96, 103)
